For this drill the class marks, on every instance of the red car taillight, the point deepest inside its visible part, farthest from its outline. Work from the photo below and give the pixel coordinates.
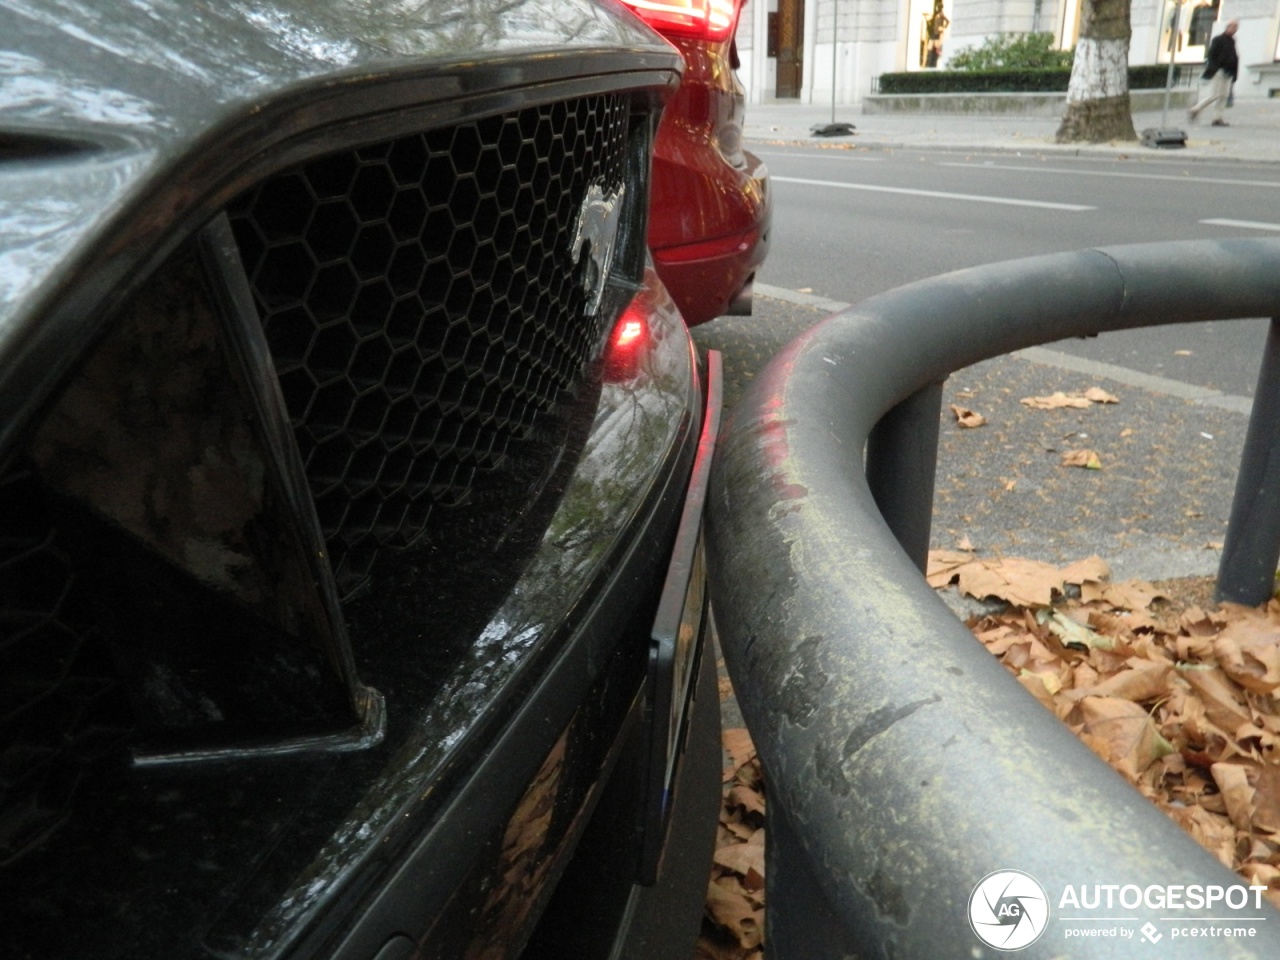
(700, 19)
(627, 346)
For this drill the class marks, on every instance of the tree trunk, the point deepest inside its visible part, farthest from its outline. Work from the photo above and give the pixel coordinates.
(1098, 94)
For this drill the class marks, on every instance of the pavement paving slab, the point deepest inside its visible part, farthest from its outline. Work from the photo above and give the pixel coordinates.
(1155, 506)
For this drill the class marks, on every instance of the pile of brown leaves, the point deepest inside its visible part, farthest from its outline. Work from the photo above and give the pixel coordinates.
(733, 928)
(1180, 700)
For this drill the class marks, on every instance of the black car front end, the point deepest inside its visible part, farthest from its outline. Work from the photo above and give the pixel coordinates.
(345, 468)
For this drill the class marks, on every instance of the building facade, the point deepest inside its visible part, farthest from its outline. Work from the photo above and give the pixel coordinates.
(787, 48)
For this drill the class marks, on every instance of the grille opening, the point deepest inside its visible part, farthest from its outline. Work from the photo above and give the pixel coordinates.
(429, 328)
(62, 708)
(22, 145)
(424, 310)
(153, 598)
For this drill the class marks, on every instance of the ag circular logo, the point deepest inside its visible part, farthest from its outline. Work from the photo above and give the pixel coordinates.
(1008, 910)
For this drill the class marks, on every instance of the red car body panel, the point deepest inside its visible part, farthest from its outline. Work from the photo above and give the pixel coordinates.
(709, 213)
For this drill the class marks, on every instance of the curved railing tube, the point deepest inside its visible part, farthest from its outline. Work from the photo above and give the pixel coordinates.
(903, 763)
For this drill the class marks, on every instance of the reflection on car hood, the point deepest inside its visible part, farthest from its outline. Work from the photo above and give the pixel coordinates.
(150, 69)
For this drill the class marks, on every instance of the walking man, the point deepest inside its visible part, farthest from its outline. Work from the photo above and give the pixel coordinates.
(1220, 70)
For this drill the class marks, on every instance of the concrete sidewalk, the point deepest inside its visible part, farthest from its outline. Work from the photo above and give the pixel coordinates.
(1253, 133)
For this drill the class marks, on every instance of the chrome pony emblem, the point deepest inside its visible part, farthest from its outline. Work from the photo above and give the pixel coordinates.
(597, 230)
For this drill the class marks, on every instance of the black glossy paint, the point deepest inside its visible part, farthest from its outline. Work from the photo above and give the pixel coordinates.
(249, 856)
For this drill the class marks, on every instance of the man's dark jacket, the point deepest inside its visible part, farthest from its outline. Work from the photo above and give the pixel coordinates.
(1222, 56)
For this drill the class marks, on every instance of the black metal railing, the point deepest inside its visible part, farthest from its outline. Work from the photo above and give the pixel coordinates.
(904, 764)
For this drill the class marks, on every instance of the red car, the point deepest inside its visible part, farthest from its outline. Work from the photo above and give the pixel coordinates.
(709, 211)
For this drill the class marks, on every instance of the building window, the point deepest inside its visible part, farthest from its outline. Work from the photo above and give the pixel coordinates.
(927, 25)
(1194, 29)
(1070, 31)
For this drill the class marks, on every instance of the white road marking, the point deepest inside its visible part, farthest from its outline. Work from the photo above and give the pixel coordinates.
(936, 194)
(820, 153)
(1243, 224)
(1187, 178)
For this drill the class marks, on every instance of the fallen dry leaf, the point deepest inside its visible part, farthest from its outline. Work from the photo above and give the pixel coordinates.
(748, 798)
(737, 744)
(943, 565)
(733, 920)
(729, 905)
(1184, 702)
(1126, 595)
(744, 859)
(1222, 705)
(725, 688)
(1212, 831)
(1249, 651)
(1028, 583)
(1088, 459)
(1078, 635)
(967, 418)
(1237, 793)
(1056, 401)
(1059, 400)
(1090, 570)
(1120, 732)
(1143, 681)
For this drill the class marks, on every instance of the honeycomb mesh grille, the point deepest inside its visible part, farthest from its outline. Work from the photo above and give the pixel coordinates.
(423, 308)
(426, 317)
(61, 706)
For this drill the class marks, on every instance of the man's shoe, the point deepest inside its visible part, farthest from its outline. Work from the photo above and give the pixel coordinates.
(1219, 123)
(1191, 116)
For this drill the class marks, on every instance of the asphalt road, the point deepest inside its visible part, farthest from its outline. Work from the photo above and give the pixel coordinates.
(849, 224)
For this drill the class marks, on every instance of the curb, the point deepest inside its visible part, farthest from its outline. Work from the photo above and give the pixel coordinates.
(1115, 150)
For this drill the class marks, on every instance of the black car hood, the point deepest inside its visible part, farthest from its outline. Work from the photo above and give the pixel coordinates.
(124, 122)
(155, 70)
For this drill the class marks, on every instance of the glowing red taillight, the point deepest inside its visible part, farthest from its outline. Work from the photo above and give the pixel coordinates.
(701, 19)
(628, 332)
(627, 346)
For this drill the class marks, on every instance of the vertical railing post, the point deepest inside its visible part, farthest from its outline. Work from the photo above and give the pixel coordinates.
(1246, 573)
(801, 924)
(902, 464)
